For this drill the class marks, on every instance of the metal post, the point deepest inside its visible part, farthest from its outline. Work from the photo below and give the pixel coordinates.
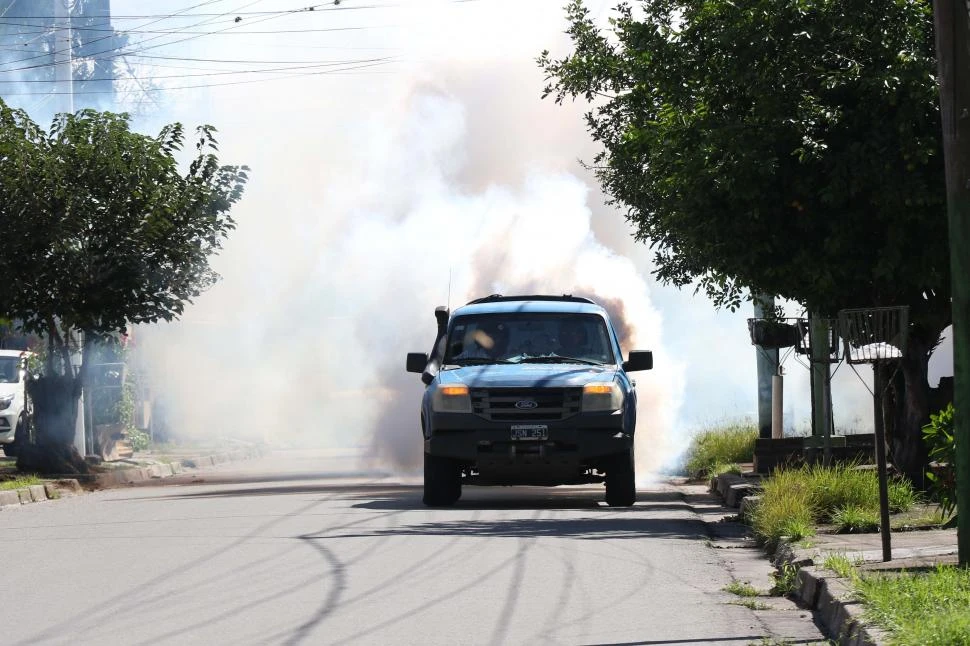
(952, 20)
(821, 383)
(879, 384)
(777, 406)
(767, 367)
(63, 57)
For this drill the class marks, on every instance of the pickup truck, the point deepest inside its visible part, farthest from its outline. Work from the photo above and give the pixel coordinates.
(527, 390)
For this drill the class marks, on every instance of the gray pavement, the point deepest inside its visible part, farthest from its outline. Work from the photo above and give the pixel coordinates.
(304, 547)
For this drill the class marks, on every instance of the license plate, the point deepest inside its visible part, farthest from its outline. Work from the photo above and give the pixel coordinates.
(530, 432)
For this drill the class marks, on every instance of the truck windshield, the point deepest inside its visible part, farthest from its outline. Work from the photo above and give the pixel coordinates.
(529, 338)
(9, 370)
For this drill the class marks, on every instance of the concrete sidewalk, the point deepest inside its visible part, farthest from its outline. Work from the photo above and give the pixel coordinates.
(820, 589)
(139, 468)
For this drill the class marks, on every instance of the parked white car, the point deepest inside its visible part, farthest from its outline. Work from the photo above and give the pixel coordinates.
(14, 407)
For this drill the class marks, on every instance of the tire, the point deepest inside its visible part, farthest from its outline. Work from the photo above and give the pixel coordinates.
(621, 484)
(19, 438)
(442, 481)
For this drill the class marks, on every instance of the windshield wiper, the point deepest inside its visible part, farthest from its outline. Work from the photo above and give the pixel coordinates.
(559, 359)
(476, 361)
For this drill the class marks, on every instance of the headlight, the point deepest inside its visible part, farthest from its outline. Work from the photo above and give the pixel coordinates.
(5, 402)
(605, 396)
(451, 399)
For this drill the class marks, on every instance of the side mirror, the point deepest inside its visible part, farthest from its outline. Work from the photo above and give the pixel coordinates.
(638, 360)
(417, 361)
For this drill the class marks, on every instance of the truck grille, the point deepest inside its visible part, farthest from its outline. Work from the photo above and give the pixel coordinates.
(499, 404)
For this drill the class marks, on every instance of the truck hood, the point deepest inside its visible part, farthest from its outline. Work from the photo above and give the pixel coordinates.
(526, 375)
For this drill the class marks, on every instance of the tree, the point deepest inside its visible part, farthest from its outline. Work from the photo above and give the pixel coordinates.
(102, 230)
(783, 148)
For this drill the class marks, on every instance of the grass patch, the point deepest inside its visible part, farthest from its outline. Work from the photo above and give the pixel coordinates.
(927, 517)
(20, 482)
(785, 578)
(722, 445)
(856, 520)
(841, 565)
(793, 501)
(741, 589)
(751, 604)
(722, 467)
(929, 609)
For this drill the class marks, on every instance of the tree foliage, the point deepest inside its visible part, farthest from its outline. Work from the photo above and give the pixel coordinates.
(787, 148)
(103, 228)
(784, 148)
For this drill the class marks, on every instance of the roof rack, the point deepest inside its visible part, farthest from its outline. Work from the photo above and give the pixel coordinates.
(531, 297)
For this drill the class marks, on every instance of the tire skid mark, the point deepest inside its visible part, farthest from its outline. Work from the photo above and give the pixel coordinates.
(514, 588)
(424, 606)
(127, 602)
(338, 583)
(564, 554)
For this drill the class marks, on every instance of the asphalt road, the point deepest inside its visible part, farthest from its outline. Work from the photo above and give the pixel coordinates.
(297, 548)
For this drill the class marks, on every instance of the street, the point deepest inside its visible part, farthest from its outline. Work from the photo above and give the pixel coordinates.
(300, 548)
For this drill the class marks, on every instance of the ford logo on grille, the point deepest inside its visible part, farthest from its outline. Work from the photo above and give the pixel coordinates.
(526, 404)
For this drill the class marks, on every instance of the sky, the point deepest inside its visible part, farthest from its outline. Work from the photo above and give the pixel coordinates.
(422, 169)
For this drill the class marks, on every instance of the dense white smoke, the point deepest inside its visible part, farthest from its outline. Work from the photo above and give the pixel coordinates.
(380, 193)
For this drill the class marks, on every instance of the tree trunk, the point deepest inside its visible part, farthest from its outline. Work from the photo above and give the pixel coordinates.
(910, 411)
(55, 401)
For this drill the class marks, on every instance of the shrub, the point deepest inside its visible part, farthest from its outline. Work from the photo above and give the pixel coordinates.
(793, 501)
(940, 439)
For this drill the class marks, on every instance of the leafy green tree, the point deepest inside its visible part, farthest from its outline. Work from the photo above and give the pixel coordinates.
(788, 148)
(102, 229)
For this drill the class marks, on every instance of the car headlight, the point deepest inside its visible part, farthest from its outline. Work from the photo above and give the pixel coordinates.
(605, 396)
(451, 399)
(6, 401)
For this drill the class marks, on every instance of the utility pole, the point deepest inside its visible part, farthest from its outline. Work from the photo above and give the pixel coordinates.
(819, 341)
(64, 87)
(952, 19)
(63, 58)
(767, 367)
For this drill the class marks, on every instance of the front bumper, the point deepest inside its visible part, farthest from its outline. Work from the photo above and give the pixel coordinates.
(580, 440)
(8, 425)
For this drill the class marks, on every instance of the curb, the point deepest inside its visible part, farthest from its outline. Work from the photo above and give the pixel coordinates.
(828, 596)
(72, 487)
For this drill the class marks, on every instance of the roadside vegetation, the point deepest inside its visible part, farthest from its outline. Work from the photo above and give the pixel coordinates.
(20, 482)
(794, 501)
(720, 449)
(925, 609)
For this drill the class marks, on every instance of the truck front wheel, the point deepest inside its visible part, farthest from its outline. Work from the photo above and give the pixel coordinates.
(442, 481)
(621, 485)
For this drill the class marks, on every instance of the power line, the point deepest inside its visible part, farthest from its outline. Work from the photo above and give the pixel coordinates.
(386, 59)
(208, 85)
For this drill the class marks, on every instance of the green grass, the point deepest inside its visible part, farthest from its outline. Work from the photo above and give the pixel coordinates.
(841, 565)
(741, 589)
(20, 482)
(793, 501)
(856, 520)
(929, 609)
(927, 517)
(722, 467)
(751, 604)
(727, 444)
(785, 578)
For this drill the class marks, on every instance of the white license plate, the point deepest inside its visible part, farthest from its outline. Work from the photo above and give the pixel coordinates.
(530, 432)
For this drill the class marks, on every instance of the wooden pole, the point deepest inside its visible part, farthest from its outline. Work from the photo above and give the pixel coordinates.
(952, 19)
